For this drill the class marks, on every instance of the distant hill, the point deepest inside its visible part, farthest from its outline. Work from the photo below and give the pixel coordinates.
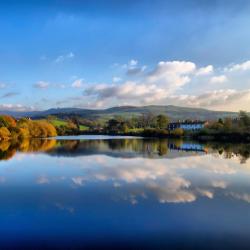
(174, 112)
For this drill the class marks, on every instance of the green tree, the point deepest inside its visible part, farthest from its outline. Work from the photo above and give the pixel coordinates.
(220, 121)
(244, 120)
(76, 122)
(178, 132)
(228, 124)
(113, 125)
(124, 127)
(162, 121)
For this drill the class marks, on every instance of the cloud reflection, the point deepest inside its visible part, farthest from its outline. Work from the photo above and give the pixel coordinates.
(169, 180)
(42, 180)
(134, 170)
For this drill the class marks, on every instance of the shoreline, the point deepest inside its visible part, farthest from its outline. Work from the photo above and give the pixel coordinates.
(219, 137)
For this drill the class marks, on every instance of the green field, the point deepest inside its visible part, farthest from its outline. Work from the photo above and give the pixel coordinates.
(136, 130)
(83, 128)
(58, 123)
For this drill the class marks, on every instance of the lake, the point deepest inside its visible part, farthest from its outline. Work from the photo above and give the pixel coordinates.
(124, 192)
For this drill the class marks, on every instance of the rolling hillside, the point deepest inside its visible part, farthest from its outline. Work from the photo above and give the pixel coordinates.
(174, 112)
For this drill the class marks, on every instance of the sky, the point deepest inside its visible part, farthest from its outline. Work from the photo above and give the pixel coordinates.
(100, 54)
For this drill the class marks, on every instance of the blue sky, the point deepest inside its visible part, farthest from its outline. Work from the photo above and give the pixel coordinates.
(97, 54)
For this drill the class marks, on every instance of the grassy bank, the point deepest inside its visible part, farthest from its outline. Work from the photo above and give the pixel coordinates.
(62, 123)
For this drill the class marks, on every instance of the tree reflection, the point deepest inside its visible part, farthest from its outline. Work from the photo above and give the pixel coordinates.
(9, 148)
(124, 148)
(230, 150)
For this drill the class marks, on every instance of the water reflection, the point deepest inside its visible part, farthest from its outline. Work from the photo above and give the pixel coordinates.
(8, 149)
(125, 148)
(172, 171)
(117, 188)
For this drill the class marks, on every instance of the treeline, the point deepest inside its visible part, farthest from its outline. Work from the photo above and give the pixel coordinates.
(150, 125)
(118, 125)
(228, 129)
(13, 129)
(144, 125)
(71, 126)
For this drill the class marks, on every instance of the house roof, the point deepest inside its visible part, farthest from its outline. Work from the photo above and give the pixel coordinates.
(187, 122)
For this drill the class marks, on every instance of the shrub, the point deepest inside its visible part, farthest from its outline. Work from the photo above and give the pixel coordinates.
(177, 132)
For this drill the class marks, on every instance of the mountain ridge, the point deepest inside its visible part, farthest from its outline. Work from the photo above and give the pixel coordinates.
(174, 112)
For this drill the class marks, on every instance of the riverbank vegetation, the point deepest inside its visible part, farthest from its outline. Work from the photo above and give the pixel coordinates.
(233, 129)
(12, 129)
(146, 125)
(149, 125)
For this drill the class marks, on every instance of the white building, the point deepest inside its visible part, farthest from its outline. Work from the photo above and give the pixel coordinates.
(187, 125)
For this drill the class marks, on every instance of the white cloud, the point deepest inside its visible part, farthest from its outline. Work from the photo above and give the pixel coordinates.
(77, 83)
(116, 79)
(41, 85)
(223, 99)
(205, 70)
(180, 83)
(174, 67)
(62, 58)
(15, 107)
(2, 85)
(218, 79)
(133, 68)
(239, 67)
(70, 55)
(165, 79)
(169, 80)
(133, 62)
(171, 75)
(46, 85)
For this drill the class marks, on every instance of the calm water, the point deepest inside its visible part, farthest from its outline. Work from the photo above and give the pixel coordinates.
(105, 192)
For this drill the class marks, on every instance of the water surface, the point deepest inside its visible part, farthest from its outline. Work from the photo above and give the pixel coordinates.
(99, 192)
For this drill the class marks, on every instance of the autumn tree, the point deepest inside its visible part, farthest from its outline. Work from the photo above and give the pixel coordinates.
(4, 133)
